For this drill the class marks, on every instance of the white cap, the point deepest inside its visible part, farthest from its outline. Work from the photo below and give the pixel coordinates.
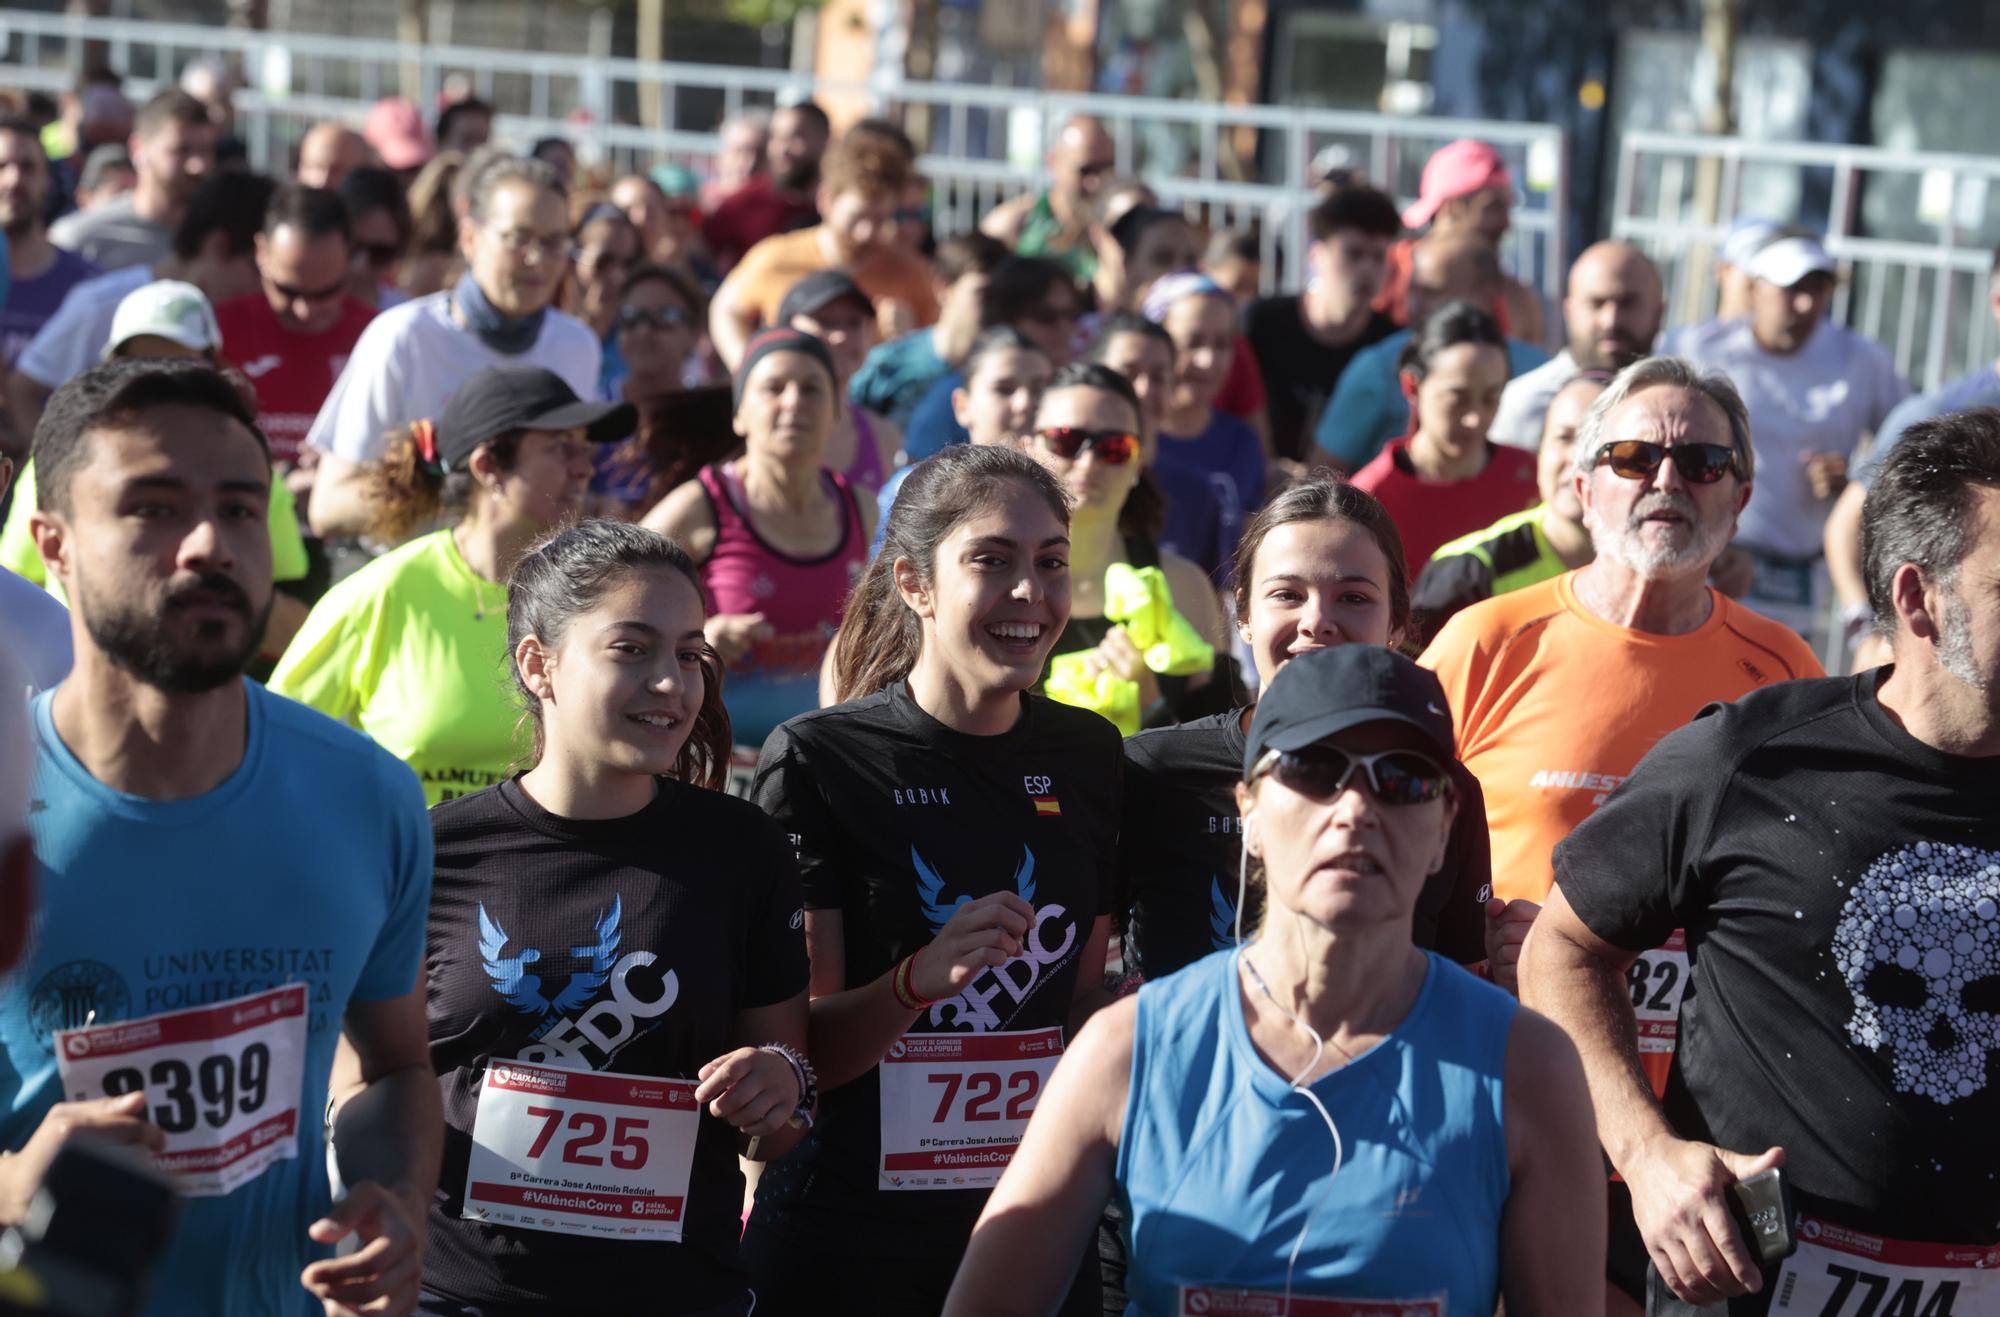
(17, 756)
(167, 309)
(1745, 236)
(1787, 260)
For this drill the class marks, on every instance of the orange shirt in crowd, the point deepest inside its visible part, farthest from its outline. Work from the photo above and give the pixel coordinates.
(1553, 707)
(768, 271)
(1393, 300)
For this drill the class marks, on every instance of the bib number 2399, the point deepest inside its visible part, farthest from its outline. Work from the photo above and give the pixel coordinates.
(954, 1106)
(222, 1082)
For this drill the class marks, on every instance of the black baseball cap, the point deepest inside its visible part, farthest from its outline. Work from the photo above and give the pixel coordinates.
(819, 290)
(502, 398)
(1330, 690)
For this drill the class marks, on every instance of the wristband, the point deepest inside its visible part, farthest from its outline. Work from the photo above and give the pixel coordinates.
(808, 1081)
(900, 983)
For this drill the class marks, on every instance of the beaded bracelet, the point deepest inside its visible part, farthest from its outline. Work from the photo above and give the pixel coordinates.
(901, 984)
(808, 1079)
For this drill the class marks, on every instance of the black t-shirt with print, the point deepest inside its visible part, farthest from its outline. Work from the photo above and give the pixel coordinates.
(649, 934)
(1839, 882)
(1300, 372)
(1179, 849)
(898, 819)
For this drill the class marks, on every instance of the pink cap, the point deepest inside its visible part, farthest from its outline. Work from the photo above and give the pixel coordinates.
(1459, 169)
(396, 130)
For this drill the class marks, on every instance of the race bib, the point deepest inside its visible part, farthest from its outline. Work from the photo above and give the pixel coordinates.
(1658, 980)
(1839, 1272)
(1215, 1301)
(581, 1153)
(222, 1082)
(954, 1105)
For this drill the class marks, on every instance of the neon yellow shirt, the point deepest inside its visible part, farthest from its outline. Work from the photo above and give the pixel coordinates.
(412, 650)
(19, 555)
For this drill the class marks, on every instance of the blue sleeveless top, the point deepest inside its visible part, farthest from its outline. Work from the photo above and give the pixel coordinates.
(1221, 1164)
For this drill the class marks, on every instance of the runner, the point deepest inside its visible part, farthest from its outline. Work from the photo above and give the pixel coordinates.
(1445, 478)
(1089, 433)
(779, 537)
(1839, 1022)
(1326, 1120)
(832, 308)
(1560, 688)
(1321, 566)
(689, 994)
(1522, 547)
(1056, 222)
(1194, 432)
(228, 881)
(404, 648)
(955, 844)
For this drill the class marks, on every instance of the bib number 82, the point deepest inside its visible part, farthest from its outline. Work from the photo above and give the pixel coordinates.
(983, 1089)
(223, 1084)
(1652, 983)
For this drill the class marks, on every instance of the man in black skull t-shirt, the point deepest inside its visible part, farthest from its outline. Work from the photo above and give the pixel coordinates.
(1832, 848)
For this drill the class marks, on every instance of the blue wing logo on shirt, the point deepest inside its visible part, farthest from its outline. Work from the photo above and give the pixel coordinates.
(1221, 916)
(523, 990)
(930, 887)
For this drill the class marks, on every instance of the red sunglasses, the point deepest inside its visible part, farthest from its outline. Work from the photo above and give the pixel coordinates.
(1113, 447)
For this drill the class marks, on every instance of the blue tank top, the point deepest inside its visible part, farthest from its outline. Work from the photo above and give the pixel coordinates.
(1220, 1163)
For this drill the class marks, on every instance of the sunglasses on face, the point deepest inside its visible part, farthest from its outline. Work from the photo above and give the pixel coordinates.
(381, 253)
(292, 293)
(1113, 447)
(1698, 464)
(666, 317)
(1395, 777)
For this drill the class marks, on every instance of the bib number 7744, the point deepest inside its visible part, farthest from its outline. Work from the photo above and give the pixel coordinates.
(1839, 1272)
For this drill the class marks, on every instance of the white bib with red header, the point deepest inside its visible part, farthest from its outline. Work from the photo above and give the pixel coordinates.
(954, 1105)
(1839, 1272)
(579, 1152)
(223, 1082)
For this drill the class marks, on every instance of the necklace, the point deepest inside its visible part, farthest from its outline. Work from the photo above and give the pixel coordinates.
(478, 581)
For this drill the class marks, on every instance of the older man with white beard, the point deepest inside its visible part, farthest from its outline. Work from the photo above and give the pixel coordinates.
(1558, 690)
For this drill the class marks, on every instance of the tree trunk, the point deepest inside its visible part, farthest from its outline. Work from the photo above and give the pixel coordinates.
(652, 49)
(1721, 24)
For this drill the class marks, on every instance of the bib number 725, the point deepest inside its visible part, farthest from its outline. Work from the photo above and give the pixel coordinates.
(982, 1091)
(629, 1148)
(225, 1084)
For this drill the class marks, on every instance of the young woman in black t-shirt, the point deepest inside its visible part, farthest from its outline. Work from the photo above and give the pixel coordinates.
(617, 973)
(955, 839)
(1321, 565)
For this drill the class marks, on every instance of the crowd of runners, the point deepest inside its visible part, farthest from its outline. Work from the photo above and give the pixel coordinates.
(676, 744)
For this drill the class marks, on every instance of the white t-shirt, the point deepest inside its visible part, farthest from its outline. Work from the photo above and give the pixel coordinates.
(1822, 398)
(412, 358)
(37, 630)
(1525, 403)
(73, 339)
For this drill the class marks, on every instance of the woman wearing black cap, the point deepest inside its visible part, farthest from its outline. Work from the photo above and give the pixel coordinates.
(832, 308)
(780, 538)
(410, 648)
(1325, 1113)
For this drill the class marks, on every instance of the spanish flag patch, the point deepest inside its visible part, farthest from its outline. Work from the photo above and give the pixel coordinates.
(1048, 806)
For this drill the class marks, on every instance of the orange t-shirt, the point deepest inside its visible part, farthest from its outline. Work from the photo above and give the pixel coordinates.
(768, 271)
(1553, 707)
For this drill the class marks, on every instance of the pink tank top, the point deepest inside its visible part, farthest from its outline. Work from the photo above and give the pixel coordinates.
(800, 597)
(866, 468)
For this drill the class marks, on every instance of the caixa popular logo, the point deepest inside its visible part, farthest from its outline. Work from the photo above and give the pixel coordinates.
(79, 1046)
(897, 1050)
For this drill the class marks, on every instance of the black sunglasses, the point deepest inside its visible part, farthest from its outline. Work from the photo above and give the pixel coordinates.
(666, 317)
(1113, 447)
(295, 294)
(1321, 772)
(381, 253)
(1698, 464)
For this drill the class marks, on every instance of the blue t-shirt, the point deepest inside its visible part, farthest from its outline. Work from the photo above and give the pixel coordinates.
(896, 375)
(1368, 408)
(1221, 1165)
(30, 302)
(1981, 389)
(933, 426)
(1231, 457)
(310, 863)
(1195, 526)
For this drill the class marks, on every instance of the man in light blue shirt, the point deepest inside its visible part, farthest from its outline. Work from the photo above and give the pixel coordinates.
(230, 884)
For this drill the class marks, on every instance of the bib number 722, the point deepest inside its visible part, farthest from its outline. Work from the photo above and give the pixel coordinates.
(1904, 1299)
(982, 1091)
(223, 1084)
(629, 1148)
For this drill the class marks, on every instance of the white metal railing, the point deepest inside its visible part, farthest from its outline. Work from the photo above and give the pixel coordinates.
(1911, 230)
(984, 143)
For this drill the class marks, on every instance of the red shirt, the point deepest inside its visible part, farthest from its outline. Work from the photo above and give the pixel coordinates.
(292, 372)
(1242, 393)
(756, 211)
(1431, 513)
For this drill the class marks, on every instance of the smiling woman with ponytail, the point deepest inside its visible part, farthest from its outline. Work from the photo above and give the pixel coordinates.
(954, 832)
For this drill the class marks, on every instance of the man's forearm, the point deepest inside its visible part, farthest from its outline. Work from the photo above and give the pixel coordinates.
(338, 507)
(391, 1132)
(1587, 996)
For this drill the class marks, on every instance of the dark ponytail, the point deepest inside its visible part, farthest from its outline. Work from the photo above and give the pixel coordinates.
(563, 577)
(1449, 326)
(880, 639)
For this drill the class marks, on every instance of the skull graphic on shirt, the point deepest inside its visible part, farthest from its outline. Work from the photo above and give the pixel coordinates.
(1920, 928)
